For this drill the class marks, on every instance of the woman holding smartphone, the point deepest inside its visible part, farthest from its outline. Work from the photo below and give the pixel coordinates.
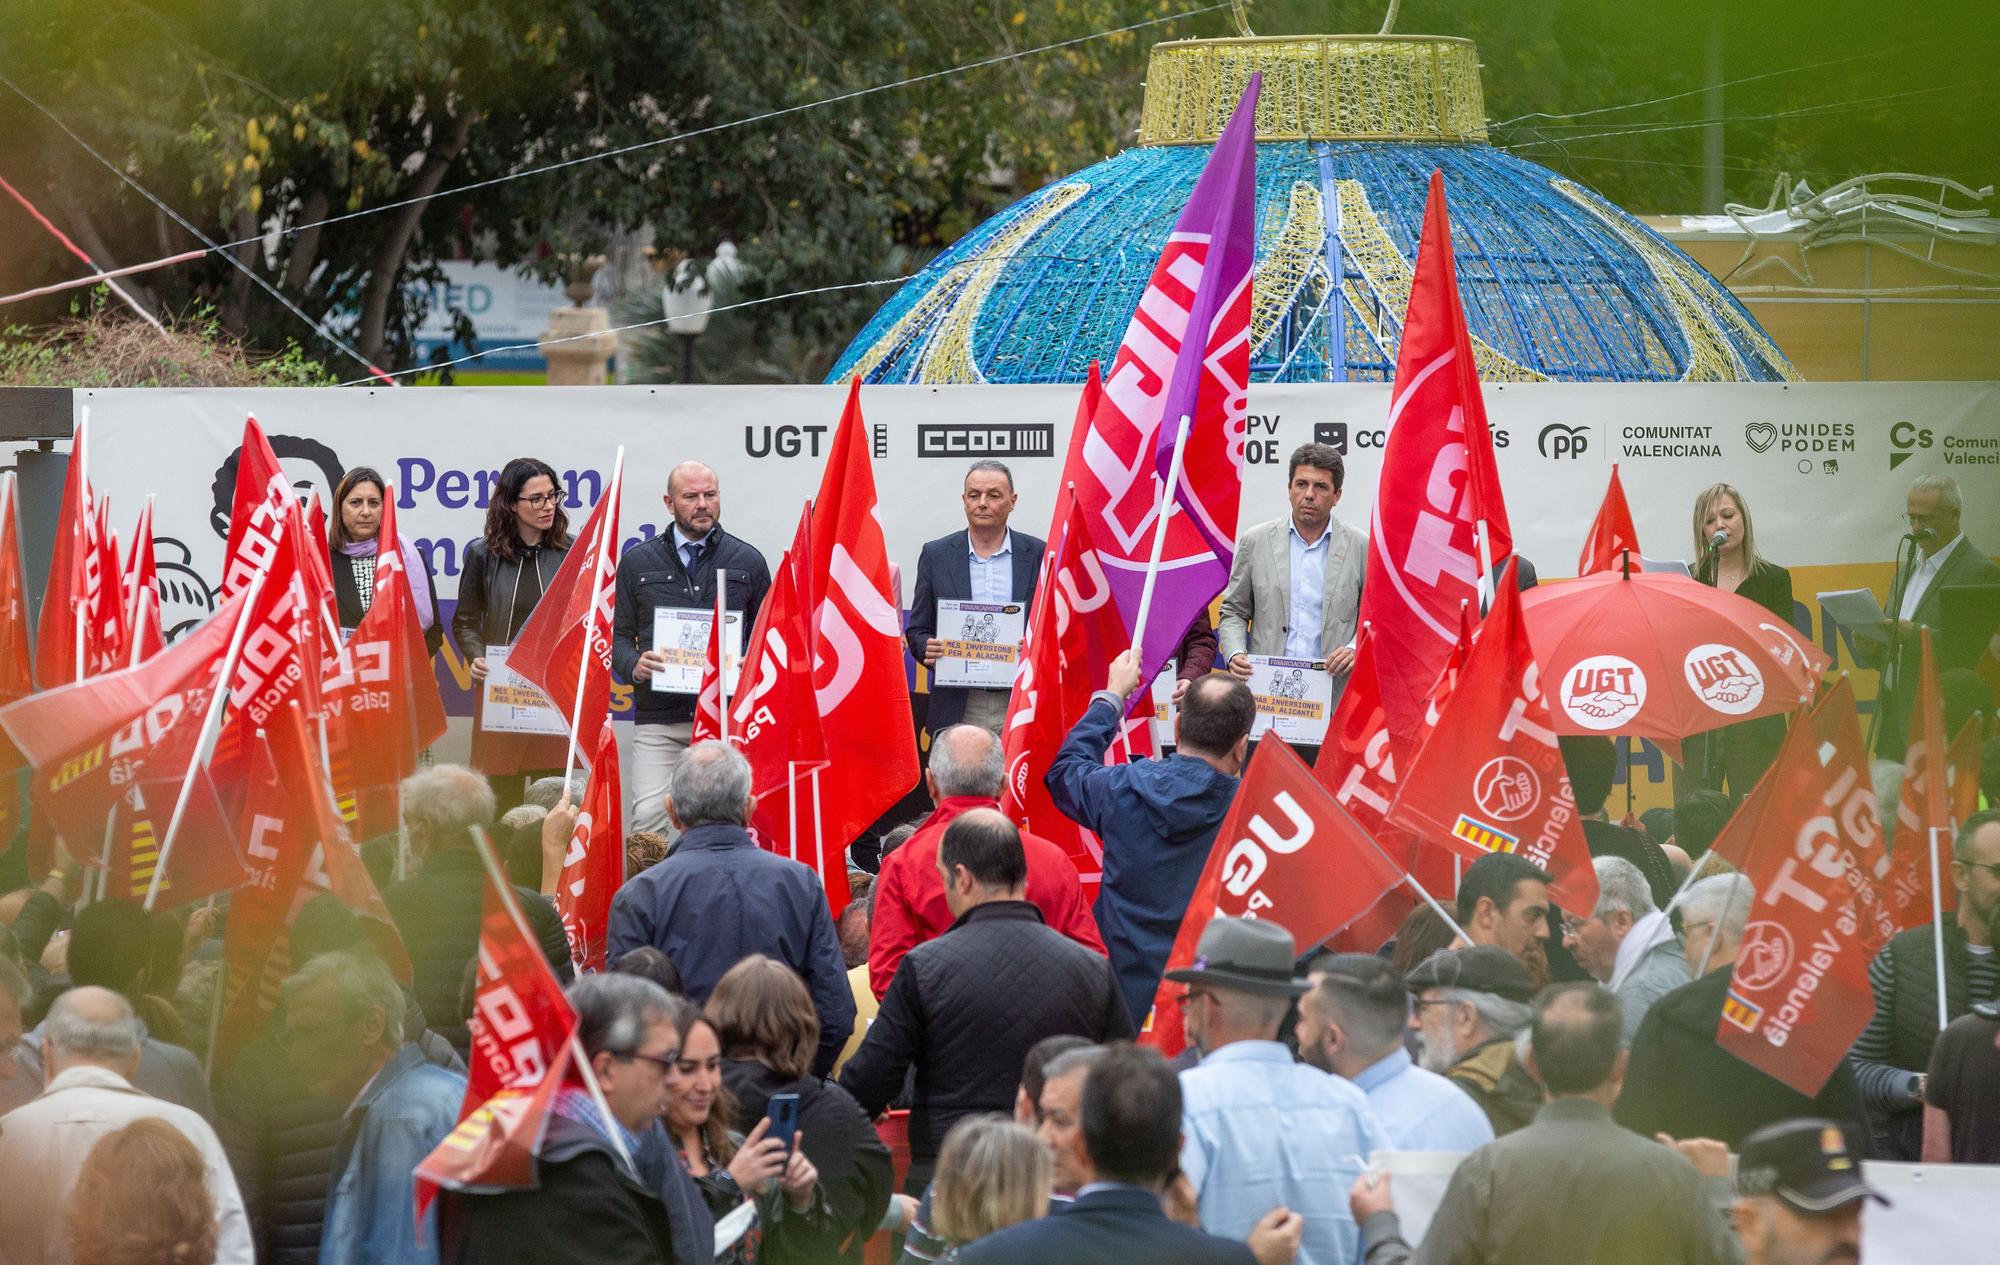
(503, 577)
(1733, 757)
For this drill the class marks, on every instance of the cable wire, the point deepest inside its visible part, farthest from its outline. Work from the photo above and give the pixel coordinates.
(198, 235)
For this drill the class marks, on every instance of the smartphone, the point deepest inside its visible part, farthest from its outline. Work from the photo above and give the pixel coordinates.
(784, 1116)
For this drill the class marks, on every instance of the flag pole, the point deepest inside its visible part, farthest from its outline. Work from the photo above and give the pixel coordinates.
(1694, 872)
(1486, 593)
(792, 807)
(722, 652)
(1937, 926)
(1168, 495)
(498, 877)
(608, 531)
(211, 729)
(819, 828)
(1436, 908)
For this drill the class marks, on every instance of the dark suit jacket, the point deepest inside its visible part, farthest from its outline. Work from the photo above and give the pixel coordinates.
(945, 571)
(1124, 1224)
(1680, 1081)
(1965, 565)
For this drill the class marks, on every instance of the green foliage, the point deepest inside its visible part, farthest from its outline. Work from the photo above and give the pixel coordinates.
(100, 345)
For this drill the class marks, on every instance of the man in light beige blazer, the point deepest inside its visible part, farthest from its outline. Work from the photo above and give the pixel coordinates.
(1295, 589)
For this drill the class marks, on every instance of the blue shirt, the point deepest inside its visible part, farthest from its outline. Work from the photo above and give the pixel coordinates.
(399, 1119)
(1308, 610)
(1420, 1110)
(992, 578)
(1260, 1130)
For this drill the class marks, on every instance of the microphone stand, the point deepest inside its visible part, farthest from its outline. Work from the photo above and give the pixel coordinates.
(1893, 663)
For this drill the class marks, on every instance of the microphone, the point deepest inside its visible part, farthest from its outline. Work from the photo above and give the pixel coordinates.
(1717, 541)
(1921, 534)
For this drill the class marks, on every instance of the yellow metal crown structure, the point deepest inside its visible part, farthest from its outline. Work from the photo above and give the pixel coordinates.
(1417, 88)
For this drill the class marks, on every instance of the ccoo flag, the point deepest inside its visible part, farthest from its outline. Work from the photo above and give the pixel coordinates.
(1164, 373)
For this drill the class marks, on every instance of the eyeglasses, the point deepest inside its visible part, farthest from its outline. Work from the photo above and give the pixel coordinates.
(1991, 867)
(665, 1062)
(541, 500)
(1572, 927)
(1687, 928)
(1918, 520)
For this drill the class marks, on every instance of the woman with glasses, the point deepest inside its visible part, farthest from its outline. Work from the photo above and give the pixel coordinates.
(1733, 757)
(504, 574)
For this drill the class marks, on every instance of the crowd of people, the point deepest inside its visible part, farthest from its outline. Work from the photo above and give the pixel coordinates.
(957, 1068)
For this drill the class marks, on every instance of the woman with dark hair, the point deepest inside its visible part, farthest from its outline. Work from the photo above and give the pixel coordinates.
(351, 539)
(504, 574)
(730, 1168)
(769, 1032)
(1733, 757)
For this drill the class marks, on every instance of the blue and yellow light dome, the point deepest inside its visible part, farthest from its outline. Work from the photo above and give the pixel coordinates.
(1558, 283)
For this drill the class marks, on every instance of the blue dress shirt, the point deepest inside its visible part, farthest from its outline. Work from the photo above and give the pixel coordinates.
(1420, 1110)
(992, 578)
(1261, 1130)
(1308, 609)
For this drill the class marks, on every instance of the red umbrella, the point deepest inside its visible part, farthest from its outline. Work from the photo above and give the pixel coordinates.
(1657, 655)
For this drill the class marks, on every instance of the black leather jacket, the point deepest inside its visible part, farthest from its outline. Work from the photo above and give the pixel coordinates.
(493, 594)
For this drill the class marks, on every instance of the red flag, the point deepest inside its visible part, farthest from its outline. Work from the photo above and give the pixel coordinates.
(708, 703)
(858, 654)
(1799, 994)
(107, 642)
(1438, 483)
(88, 740)
(565, 647)
(1850, 799)
(297, 850)
(522, 1031)
(1359, 766)
(17, 675)
(1612, 534)
(594, 867)
(1924, 812)
(382, 706)
(65, 599)
(281, 658)
(1490, 778)
(316, 524)
(145, 634)
(1074, 633)
(1286, 853)
(774, 716)
(257, 512)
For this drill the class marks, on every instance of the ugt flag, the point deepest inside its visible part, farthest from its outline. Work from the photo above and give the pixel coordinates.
(1163, 373)
(1286, 852)
(1438, 484)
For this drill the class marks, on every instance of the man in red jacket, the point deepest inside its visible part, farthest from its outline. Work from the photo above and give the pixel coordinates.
(966, 772)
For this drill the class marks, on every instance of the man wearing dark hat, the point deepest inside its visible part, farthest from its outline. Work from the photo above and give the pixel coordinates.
(1469, 1005)
(1572, 1186)
(1799, 1193)
(1260, 1131)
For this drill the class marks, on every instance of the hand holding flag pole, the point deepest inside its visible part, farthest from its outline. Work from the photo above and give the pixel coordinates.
(211, 729)
(1168, 496)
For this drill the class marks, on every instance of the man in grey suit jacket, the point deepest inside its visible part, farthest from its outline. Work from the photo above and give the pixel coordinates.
(984, 563)
(1944, 558)
(1295, 589)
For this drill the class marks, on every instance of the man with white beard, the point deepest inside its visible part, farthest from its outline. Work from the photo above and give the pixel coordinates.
(1469, 1005)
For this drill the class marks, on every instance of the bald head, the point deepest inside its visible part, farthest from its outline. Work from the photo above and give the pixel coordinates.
(981, 859)
(966, 760)
(91, 1027)
(695, 499)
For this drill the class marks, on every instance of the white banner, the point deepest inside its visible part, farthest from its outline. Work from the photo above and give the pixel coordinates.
(1823, 466)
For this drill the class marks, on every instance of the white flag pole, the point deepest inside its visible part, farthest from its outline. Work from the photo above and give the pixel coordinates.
(722, 651)
(1169, 493)
(1486, 593)
(211, 729)
(1449, 921)
(1937, 931)
(819, 829)
(607, 544)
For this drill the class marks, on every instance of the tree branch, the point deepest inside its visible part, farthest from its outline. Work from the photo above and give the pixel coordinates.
(385, 269)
